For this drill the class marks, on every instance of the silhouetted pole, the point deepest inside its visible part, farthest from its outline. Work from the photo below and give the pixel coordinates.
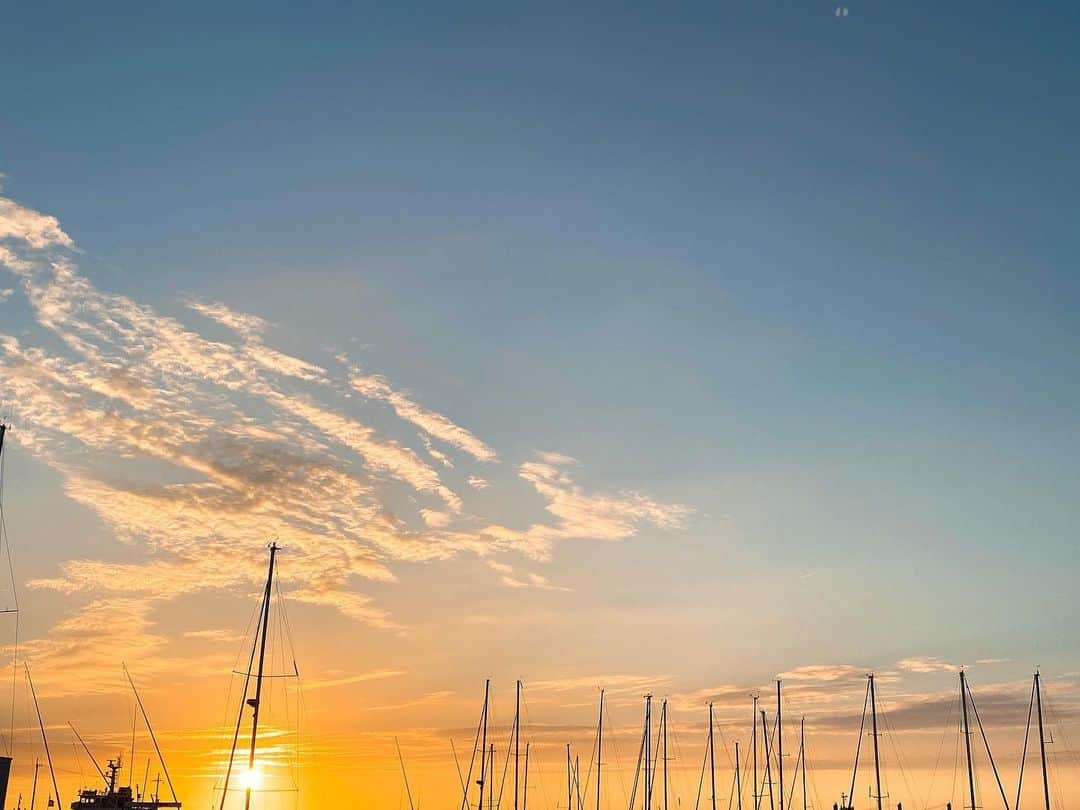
(712, 758)
(599, 747)
(517, 739)
(757, 797)
(780, 744)
(967, 737)
(257, 700)
(483, 745)
(738, 778)
(1042, 740)
(873, 716)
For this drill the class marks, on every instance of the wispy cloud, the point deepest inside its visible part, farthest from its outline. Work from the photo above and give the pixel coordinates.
(195, 449)
(926, 664)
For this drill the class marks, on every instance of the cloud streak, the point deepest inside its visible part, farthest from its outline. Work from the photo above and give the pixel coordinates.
(195, 449)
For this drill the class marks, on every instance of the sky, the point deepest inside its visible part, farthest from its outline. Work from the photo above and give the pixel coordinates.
(666, 350)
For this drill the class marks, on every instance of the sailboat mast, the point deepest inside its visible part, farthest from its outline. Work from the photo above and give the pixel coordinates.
(663, 721)
(873, 720)
(517, 739)
(802, 749)
(780, 744)
(757, 798)
(525, 792)
(648, 751)
(599, 747)
(1042, 740)
(569, 780)
(491, 781)
(967, 737)
(256, 701)
(483, 745)
(768, 757)
(738, 778)
(33, 787)
(712, 759)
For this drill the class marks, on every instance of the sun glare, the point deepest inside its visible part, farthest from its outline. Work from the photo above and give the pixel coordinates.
(251, 779)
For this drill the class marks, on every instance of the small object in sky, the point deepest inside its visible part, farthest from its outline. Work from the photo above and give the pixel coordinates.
(841, 11)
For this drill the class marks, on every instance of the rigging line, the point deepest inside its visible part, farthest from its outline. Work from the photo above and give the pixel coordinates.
(153, 737)
(472, 759)
(701, 778)
(44, 739)
(457, 766)
(894, 742)
(404, 774)
(858, 745)
(1023, 755)
(86, 748)
(986, 742)
(240, 713)
(637, 772)
(794, 776)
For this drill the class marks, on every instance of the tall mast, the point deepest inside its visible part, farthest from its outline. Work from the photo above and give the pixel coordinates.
(569, 780)
(757, 797)
(517, 739)
(712, 759)
(491, 781)
(33, 788)
(664, 721)
(877, 764)
(599, 747)
(738, 778)
(1042, 740)
(648, 751)
(483, 745)
(802, 748)
(256, 701)
(780, 744)
(525, 792)
(768, 757)
(967, 737)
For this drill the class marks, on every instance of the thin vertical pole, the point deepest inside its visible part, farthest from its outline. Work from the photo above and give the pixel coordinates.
(517, 739)
(757, 797)
(780, 744)
(1042, 740)
(663, 712)
(33, 788)
(873, 715)
(768, 757)
(256, 702)
(648, 751)
(712, 758)
(569, 779)
(802, 747)
(577, 780)
(525, 791)
(967, 737)
(599, 747)
(483, 745)
(738, 777)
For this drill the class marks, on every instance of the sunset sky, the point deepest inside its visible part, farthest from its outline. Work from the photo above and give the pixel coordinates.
(665, 351)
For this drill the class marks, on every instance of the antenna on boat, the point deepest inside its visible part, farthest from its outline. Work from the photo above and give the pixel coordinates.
(153, 737)
(44, 736)
(86, 748)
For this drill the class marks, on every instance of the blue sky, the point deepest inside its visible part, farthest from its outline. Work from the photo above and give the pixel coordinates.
(814, 277)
